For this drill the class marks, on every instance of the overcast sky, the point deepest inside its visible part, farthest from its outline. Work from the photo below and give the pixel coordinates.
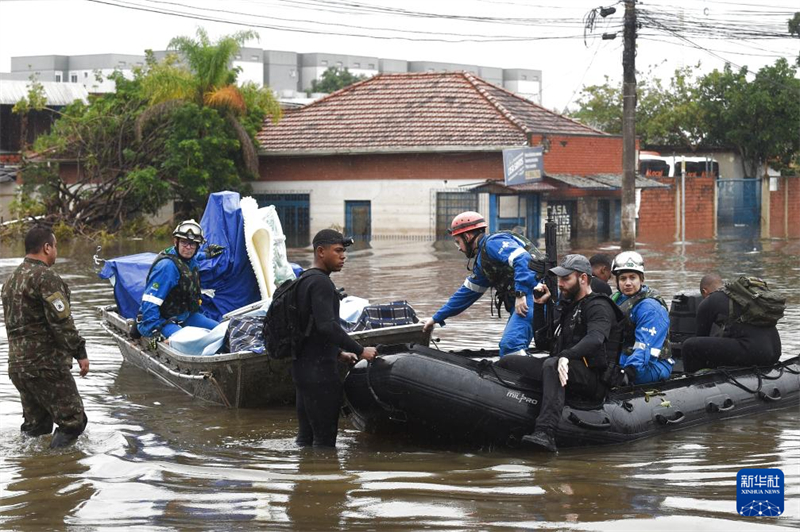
(547, 35)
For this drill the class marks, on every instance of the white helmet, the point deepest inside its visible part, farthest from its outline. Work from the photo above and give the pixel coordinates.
(628, 261)
(190, 230)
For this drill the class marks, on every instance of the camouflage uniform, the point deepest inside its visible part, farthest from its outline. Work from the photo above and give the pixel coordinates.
(42, 341)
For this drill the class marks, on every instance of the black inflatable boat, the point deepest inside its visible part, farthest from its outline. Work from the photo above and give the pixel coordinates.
(455, 397)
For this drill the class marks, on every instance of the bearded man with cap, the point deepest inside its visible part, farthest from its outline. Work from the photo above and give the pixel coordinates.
(582, 348)
(171, 299)
(314, 369)
(501, 262)
(645, 355)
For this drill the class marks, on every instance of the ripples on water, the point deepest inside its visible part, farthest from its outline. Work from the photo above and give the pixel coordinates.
(152, 459)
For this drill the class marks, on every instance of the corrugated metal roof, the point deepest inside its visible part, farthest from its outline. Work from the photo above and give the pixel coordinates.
(604, 181)
(58, 94)
(498, 187)
(583, 182)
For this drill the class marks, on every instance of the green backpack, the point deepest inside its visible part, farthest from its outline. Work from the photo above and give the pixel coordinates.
(760, 305)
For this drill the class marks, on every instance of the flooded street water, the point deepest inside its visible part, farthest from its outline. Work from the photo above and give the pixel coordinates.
(152, 459)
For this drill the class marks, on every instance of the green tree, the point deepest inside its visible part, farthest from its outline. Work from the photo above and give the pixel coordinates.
(600, 106)
(199, 73)
(668, 115)
(34, 100)
(759, 118)
(664, 114)
(335, 78)
(112, 183)
(794, 29)
(179, 129)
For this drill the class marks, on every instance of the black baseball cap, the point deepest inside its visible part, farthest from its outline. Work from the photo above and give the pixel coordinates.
(327, 237)
(573, 263)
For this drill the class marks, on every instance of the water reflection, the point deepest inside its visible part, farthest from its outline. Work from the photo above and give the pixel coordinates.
(154, 459)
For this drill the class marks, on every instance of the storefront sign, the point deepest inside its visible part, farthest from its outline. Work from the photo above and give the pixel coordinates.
(523, 165)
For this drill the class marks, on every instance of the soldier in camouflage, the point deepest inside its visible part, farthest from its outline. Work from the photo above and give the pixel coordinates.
(42, 341)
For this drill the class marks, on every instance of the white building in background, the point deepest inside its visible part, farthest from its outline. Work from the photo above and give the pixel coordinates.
(288, 74)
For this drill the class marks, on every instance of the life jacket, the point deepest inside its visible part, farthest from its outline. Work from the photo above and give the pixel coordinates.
(501, 274)
(185, 296)
(284, 334)
(629, 328)
(756, 303)
(572, 327)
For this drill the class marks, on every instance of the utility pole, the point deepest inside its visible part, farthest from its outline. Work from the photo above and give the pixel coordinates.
(628, 222)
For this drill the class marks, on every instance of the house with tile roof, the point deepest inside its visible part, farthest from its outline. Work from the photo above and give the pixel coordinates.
(398, 155)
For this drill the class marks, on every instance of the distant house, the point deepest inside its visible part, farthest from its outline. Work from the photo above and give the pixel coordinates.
(398, 155)
(57, 96)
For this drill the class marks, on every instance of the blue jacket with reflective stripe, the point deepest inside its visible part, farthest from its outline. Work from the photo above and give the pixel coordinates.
(162, 280)
(651, 321)
(501, 247)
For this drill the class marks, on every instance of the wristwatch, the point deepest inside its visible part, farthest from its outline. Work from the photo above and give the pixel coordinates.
(519, 293)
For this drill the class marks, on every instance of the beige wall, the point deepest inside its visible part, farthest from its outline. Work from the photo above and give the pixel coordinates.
(399, 207)
(6, 196)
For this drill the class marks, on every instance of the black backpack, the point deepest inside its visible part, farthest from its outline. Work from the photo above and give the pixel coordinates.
(283, 333)
(760, 306)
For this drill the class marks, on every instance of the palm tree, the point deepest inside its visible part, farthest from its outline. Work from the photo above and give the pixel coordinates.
(200, 72)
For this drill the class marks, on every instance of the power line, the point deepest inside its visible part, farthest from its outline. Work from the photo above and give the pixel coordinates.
(195, 16)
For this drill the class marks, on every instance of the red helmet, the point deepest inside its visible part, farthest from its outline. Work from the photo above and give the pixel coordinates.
(466, 221)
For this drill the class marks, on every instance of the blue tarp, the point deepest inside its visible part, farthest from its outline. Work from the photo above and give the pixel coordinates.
(229, 275)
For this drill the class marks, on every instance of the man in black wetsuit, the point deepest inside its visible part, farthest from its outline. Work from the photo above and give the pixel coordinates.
(314, 370)
(601, 273)
(718, 344)
(577, 358)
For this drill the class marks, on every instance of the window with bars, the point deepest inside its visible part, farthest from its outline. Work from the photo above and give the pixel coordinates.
(450, 204)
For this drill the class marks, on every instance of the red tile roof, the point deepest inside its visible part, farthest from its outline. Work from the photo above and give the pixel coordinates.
(391, 112)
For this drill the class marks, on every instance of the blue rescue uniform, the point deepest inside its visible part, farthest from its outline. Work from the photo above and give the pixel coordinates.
(503, 248)
(651, 322)
(163, 278)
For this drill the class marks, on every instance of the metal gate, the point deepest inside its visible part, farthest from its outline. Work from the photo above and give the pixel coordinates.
(293, 212)
(738, 207)
(448, 205)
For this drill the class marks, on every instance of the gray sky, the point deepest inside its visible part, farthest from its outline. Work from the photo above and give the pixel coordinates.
(539, 34)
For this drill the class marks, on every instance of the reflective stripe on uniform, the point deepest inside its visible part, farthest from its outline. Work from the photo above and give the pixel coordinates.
(475, 287)
(152, 299)
(516, 253)
(519, 352)
(639, 345)
(655, 352)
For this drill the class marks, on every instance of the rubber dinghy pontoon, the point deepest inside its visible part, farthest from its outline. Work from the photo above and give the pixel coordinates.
(451, 397)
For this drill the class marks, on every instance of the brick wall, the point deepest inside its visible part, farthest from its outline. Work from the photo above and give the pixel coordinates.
(657, 214)
(476, 165)
(777, 202)
(582, 155)
(657, 221)
(699, 207)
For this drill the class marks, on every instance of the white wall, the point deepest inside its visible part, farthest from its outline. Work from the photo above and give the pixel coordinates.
(527, 89)
(400, 208)
(88, 79)
(251, 71)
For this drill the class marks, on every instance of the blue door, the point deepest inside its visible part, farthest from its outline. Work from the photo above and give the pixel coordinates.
(293, 212)
(738, 207)
(358, 220)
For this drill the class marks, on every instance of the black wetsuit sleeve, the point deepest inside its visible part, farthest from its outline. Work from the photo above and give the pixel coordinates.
(600, 286)
(324, 304)
(712, 307)
(599, 316)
